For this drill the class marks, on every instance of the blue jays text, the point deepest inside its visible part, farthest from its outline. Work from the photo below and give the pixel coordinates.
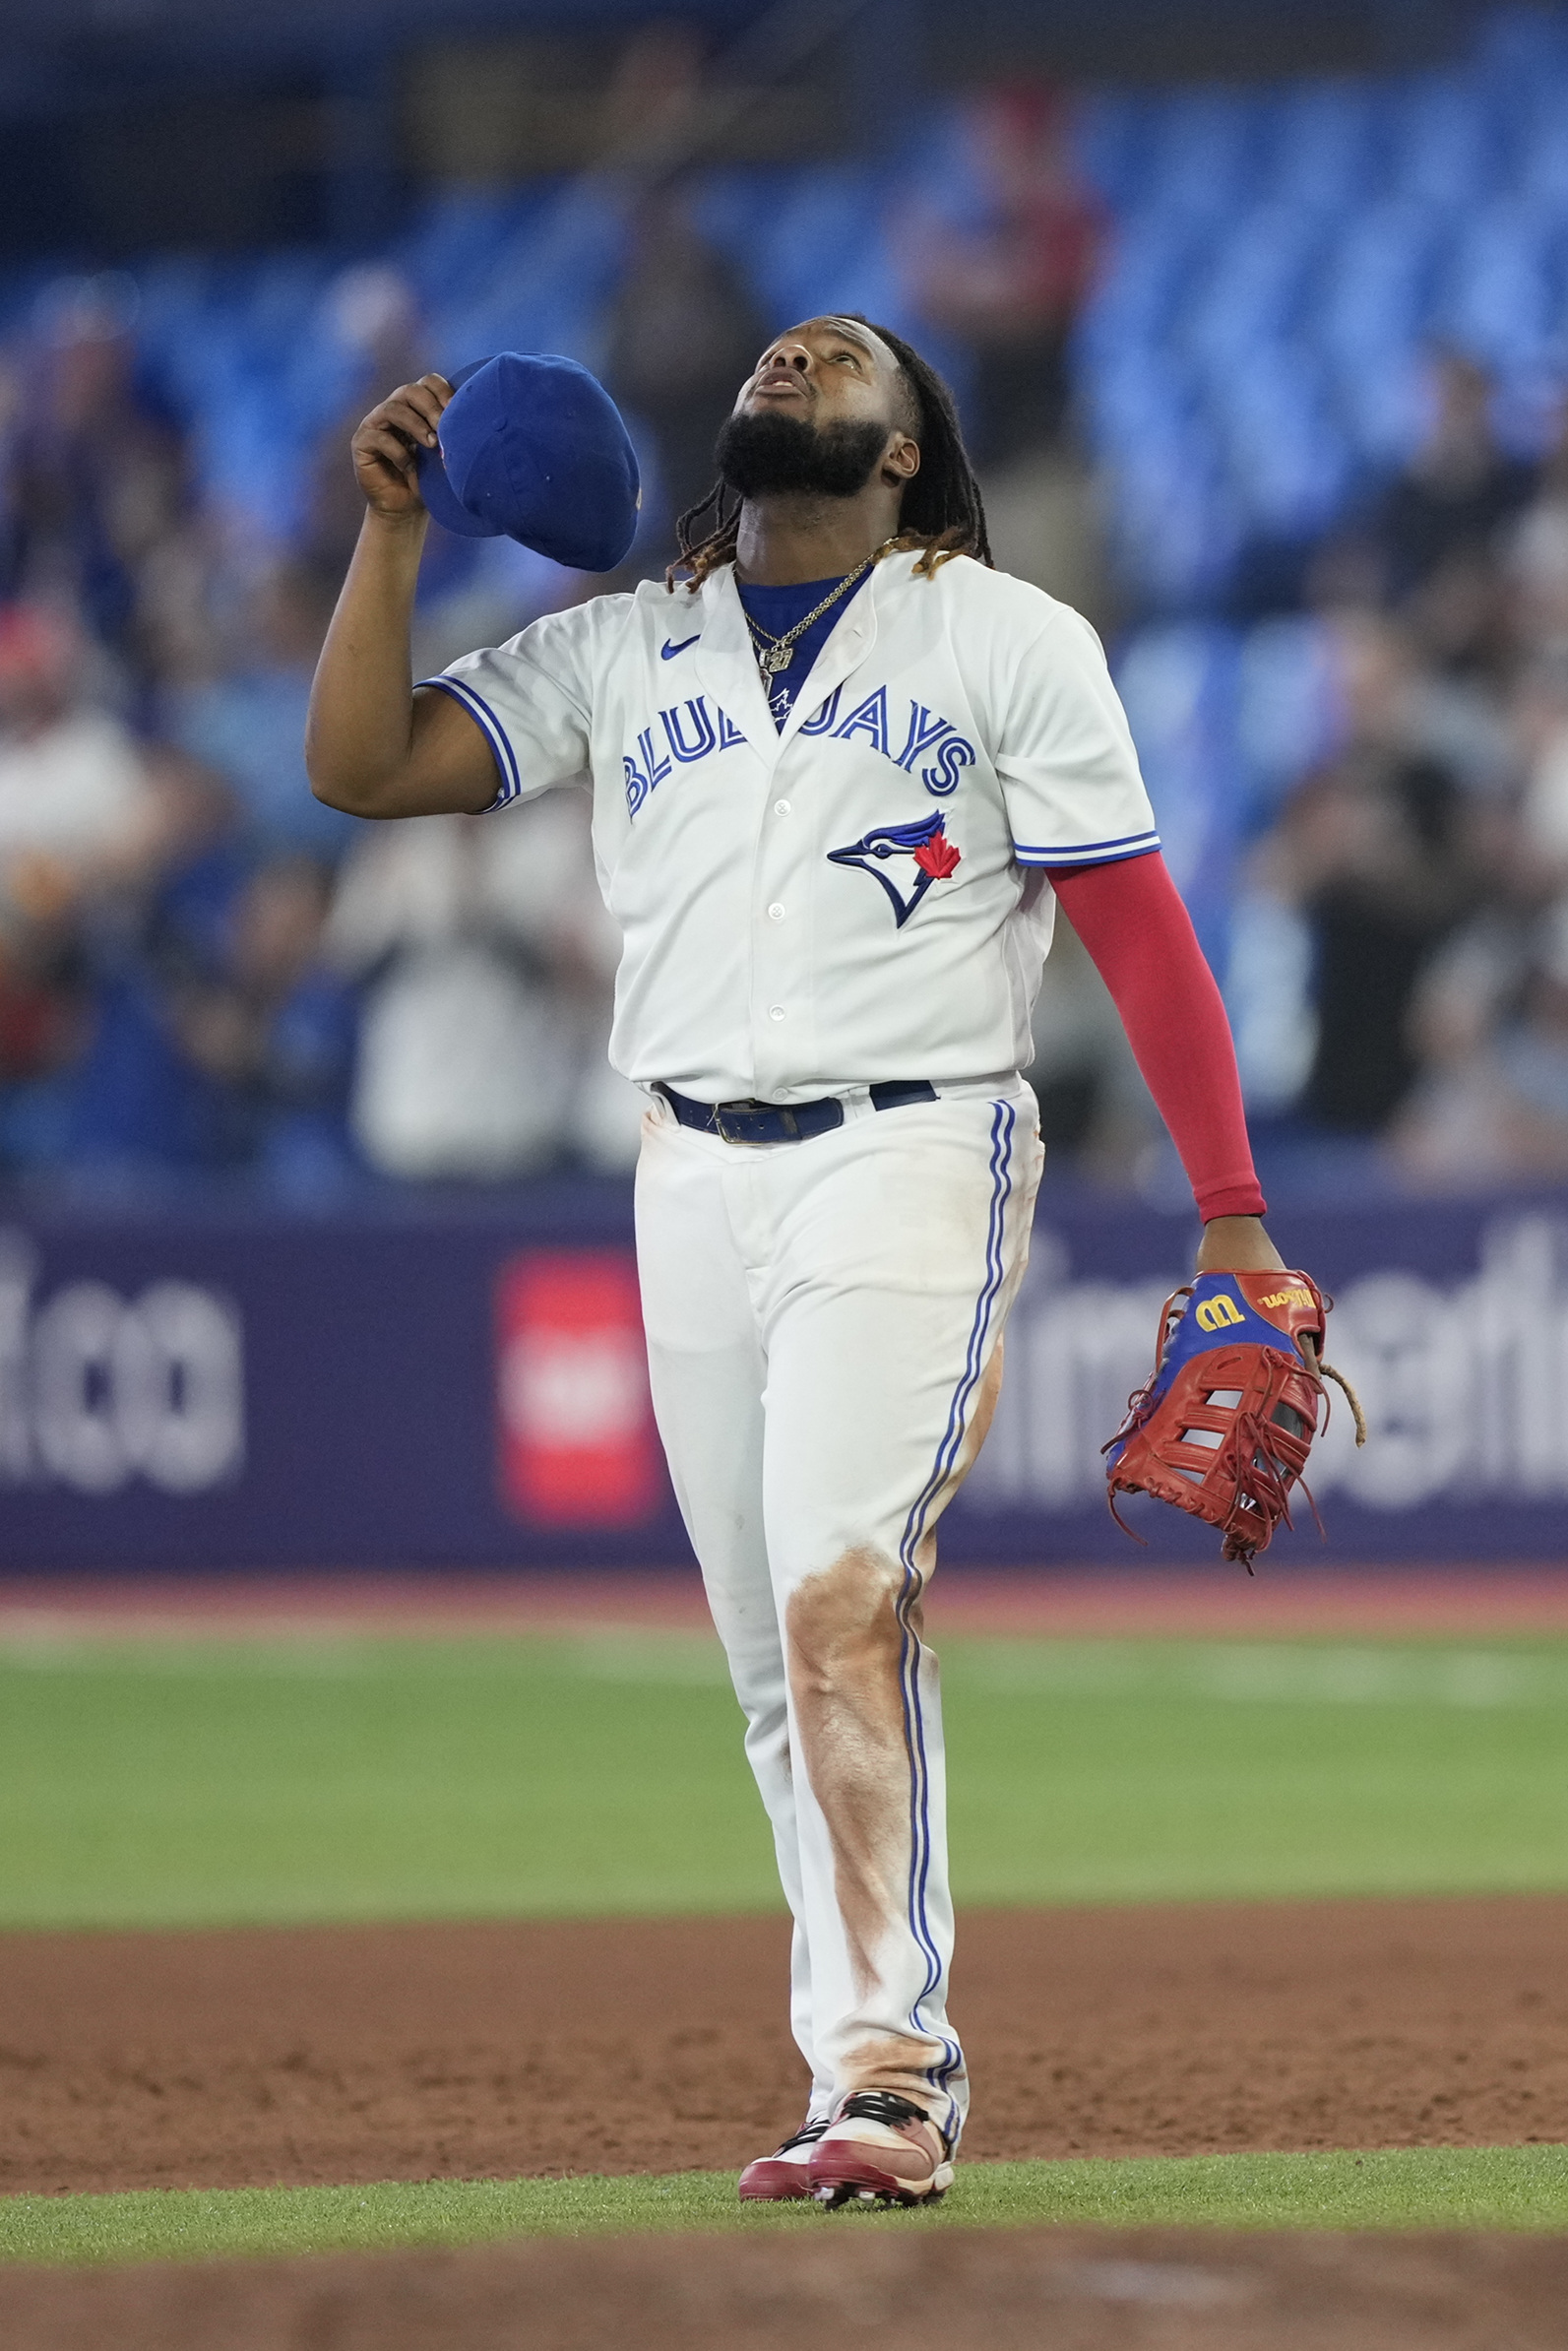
(690, 731)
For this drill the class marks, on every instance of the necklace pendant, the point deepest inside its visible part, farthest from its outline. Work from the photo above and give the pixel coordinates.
(775, 659)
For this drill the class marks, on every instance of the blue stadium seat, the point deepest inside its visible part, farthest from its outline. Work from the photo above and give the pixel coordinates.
(1444, 144)
(1148, 265)
(1253, 288)
(1112, 145)
(1322, 150)
(1377, 398)
(1174, 526)
(735, 208)
(1286, 460)
(1179, 682)
(824, 248)
(1287, 711)
(1494, 292)
(451, 249)
(1204, 151)
(1536, 148)
(1368, 308)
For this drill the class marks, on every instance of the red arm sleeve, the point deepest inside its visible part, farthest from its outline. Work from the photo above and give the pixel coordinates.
(1141, 939)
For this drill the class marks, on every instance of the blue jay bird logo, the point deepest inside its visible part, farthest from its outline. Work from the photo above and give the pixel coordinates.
(926, 840)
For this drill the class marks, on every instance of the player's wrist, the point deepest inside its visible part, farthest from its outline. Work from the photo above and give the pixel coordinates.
(1237, 1244)
(399, 523)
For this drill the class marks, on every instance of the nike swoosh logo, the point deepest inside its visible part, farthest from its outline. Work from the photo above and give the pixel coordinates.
(667, 652)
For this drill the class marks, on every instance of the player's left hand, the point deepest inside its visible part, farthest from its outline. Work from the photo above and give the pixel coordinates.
(1225, 1425)
(1237, 1244)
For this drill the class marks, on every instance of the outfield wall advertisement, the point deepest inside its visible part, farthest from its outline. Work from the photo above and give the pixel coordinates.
(466, 1388)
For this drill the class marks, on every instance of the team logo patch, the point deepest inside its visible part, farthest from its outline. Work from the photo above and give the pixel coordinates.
(924, 841)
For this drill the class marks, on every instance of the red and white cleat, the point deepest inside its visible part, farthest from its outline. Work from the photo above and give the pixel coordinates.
(785, 2177)
(879, 2149)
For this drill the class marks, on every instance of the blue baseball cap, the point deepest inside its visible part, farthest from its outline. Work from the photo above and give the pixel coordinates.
(532, 447)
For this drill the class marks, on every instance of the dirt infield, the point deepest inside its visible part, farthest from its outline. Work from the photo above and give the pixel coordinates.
(883, 2286)
(349, 2053)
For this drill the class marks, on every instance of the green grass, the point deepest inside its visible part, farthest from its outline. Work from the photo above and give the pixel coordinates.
(1404, 2187)
(212, 1782)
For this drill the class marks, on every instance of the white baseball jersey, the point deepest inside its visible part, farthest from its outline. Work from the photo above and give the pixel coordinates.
(848, 900)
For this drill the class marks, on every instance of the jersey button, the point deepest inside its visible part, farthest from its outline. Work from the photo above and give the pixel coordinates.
(776, 1012)
(776, 914)
(781, 807)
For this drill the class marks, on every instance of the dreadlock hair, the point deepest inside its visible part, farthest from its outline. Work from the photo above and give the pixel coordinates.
(942, 511)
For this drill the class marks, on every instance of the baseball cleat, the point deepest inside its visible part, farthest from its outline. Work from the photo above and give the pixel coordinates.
(879, 2149)
(783, 2177)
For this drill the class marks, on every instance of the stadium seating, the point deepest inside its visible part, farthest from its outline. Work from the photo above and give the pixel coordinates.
(1279, 255)
(1247, 365)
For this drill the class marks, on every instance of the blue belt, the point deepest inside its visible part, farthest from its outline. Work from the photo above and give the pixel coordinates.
(785, 1122)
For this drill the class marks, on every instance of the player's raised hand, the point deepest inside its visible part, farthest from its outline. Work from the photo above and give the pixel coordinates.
(387, 445)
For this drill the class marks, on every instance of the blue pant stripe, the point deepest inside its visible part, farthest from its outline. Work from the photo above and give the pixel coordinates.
(1002, 1125)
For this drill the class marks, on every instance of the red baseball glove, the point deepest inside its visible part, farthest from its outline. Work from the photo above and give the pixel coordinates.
(1225, 1425)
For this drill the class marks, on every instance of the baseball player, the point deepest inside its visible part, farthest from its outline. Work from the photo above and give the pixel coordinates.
(841, 772)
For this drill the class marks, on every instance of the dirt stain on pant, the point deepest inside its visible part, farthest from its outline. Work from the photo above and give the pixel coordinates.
(846, 1648)
(900, 2062)
(847, 1642)
(847, 1656)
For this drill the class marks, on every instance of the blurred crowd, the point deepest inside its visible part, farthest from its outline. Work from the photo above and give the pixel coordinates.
(1396, 963)
(206, 977)
(1425, 860)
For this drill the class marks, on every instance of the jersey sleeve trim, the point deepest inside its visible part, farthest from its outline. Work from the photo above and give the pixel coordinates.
(1087, 853)
(491, 729)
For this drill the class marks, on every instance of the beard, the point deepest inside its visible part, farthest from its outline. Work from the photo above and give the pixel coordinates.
(764, 453)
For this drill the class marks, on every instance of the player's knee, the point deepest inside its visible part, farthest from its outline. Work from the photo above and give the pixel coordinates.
(842, 1621)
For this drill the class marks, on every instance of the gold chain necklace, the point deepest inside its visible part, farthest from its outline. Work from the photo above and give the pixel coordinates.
(776, 653)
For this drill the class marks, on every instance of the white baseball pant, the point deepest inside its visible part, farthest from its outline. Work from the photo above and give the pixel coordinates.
(824, 1326)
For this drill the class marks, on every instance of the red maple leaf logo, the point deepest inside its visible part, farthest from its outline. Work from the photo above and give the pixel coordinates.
(937, 856)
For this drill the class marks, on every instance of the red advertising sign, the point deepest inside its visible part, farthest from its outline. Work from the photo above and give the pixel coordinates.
(578, 1442)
